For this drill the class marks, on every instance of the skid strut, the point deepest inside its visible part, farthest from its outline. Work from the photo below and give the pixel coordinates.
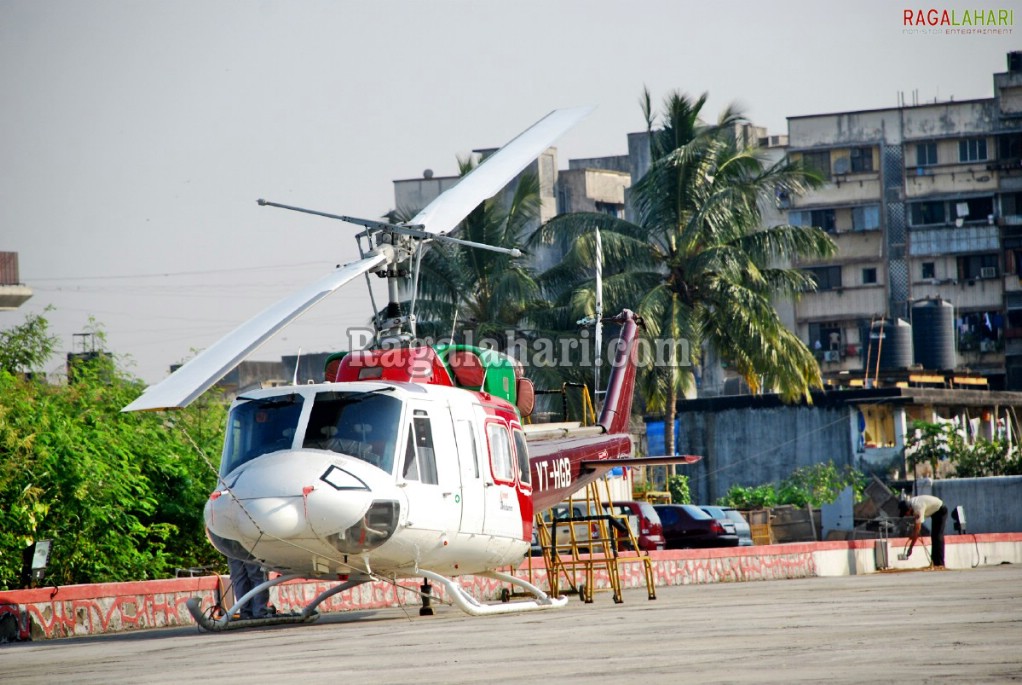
(307, 615)
(470, 605)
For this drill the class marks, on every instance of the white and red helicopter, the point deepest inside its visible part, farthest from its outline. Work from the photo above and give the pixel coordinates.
(407, 461)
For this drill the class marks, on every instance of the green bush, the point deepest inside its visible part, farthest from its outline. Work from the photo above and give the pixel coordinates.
(678, 487)
(806, 486)
(119, 495)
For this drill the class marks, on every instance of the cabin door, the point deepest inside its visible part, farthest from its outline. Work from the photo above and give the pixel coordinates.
(471, 457)
(430, 469)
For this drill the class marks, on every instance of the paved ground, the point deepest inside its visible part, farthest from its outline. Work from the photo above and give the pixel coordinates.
(912, 627)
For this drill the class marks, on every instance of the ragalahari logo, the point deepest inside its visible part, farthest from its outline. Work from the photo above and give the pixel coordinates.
(958, 21)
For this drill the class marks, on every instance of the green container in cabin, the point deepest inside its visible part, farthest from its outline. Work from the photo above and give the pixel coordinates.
(499, 377)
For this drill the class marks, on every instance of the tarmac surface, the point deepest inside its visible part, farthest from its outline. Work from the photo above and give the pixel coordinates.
(957, 626)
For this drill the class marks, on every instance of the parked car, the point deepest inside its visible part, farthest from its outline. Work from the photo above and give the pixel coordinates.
(643, 521)
(731, 515)
(686, 525)
(584, 531)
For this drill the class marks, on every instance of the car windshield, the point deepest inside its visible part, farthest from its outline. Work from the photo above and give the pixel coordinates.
(363, 425)
(715, 512)
(258, 427)
(734, 515)
(647, 510)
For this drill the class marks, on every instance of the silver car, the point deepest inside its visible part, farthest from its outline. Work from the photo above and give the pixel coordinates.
(733, 521)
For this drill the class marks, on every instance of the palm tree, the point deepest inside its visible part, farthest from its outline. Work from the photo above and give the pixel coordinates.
(696, 263)
(485, 292)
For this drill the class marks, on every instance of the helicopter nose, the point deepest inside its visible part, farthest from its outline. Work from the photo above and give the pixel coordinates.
(276, 517)
(288, 496)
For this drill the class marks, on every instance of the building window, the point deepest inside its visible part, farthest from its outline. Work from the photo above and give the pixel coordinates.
(1009, 146)
(1011, 204)
(862, 159)
(929, 270)
(826, 277)
(974, 209)
(818, 162)
(927, 213)
(866, 218)
(926, 154)
(825, 336)
(821, 218)
(972, 150)
(977, 266)
(869, 276)
(611, 208)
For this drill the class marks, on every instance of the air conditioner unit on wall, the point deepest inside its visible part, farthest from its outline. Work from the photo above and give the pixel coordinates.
(988, 272)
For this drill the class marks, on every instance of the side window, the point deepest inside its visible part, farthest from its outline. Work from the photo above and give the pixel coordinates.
(500, 453)
(522, 451)
(467, 440)
(424, 443)
(420, 459)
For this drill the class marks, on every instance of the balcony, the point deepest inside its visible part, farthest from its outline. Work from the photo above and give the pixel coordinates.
(953, 240)
(842, 303)
(13, 296)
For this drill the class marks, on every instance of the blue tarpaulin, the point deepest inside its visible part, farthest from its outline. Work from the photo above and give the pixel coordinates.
(655, 437)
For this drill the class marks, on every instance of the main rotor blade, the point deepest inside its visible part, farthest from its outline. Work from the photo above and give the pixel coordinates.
(499, 169)
(198, 375)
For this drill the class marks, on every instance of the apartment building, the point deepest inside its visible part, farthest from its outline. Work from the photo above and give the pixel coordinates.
(923, 201)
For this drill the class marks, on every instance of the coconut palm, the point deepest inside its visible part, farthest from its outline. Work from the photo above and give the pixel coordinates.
(696, 263)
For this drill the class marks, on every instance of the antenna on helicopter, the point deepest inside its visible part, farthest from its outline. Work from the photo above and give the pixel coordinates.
(298, 362)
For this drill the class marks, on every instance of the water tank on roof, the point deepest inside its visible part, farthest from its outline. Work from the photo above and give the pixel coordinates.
(933, 334)
(892, 341)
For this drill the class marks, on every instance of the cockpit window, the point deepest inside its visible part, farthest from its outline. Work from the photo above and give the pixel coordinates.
(259, 427)
(363, 425)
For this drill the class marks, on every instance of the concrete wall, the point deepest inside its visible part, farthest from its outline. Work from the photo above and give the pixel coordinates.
(949, 119)
(751, 446)
(80, 610)
(992, 505)
(833, 130)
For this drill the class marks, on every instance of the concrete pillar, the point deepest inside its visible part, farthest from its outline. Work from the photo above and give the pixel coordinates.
(900, 429)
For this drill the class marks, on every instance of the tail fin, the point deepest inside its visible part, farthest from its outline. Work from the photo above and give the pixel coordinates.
(617, 406)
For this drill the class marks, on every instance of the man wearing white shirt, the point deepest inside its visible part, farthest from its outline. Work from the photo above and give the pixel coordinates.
(919, 507)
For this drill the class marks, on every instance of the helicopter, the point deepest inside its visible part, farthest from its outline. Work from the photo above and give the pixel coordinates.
(407, 460)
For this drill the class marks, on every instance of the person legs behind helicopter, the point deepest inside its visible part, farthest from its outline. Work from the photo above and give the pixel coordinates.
(245, 575)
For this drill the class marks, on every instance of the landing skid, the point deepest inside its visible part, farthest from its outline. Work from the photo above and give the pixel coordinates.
(307, 615)
(470, 605)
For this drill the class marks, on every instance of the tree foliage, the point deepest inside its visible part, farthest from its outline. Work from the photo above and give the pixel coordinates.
(932, 443)
(27, 346)
(677, 485)
(696, 263)
(807, 486)
(119, 495)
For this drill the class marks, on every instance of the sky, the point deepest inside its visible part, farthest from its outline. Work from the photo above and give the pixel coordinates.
(136, 136)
